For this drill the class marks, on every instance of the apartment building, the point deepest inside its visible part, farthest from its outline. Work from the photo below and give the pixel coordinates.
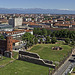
(15, 22)
(17, 33)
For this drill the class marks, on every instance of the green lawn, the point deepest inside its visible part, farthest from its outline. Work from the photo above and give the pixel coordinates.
(23, 68)
(74, 69)
(19, 67)
(5, 60)
(45, 51)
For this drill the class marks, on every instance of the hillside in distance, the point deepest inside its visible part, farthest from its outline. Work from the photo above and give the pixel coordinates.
(34, 11)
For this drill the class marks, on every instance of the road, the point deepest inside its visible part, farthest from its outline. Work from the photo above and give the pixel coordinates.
(69, 69)
(63, 68)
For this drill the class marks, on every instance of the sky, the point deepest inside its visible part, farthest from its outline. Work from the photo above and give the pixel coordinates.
(45, 4)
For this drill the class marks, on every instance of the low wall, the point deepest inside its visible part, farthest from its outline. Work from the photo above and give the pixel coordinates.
(35, 55)
(35, 60)
(48, 61)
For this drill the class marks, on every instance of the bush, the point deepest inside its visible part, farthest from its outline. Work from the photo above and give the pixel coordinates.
(67, 41)
(53, 40)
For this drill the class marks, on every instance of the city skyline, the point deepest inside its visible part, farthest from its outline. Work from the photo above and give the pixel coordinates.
(44, 4)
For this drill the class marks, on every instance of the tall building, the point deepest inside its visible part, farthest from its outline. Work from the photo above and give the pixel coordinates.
(15, 22)
(6, 45)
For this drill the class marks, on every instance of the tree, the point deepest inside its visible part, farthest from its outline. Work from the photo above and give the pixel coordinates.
(27, 45)
(48, 32)
(39, 32)
(35, 31)
(27, 37)
(41, 40)
(47, 39)
(53, 40)
(1, 37)
(35, 40)
(31, 42)
(67, 40)
(44, 32)
(53, 34)
(73, 42)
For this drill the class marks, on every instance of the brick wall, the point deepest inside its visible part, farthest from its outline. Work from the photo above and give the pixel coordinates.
(2, 46)
(6, 45)
(9, 43)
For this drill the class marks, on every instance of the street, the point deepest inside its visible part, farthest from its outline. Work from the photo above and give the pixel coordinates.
(64, 67)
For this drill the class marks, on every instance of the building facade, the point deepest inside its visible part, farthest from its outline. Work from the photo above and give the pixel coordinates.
(15, 22)
(6, 45)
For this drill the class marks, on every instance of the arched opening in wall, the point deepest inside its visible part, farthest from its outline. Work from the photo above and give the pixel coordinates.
(0, 51)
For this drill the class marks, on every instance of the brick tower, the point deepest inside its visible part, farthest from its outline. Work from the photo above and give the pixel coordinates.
(9, 43)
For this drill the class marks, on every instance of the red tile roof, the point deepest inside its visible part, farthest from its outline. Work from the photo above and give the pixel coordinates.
(14, 41)
(3, 20)
(62, 25)
(15, 32)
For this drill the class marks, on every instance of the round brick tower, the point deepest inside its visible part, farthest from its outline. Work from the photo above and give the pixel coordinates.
(9, 43)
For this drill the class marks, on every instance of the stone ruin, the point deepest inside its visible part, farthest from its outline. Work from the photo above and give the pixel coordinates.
(35, 58)
(57, 48)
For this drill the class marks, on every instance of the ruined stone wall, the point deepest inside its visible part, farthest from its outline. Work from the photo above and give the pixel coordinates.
(35, 55)
(34, 59)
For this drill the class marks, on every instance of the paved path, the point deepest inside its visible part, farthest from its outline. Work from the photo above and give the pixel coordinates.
(61, 70)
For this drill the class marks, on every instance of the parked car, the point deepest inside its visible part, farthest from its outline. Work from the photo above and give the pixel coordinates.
(72, 60)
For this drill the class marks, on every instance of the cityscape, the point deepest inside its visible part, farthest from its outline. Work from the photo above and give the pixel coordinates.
(37, 39)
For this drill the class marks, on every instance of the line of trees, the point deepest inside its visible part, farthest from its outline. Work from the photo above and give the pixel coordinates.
(64, 33)
(38, 31)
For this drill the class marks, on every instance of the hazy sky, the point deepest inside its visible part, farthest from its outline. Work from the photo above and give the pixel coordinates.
(46, 4)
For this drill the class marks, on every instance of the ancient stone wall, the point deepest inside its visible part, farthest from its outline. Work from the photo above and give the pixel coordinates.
(34, 59)
(35, 55)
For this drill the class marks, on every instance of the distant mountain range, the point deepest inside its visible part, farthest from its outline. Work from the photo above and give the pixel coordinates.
(35, 11)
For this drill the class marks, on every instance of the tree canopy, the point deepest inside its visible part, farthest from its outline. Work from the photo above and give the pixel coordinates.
(1, 37)
(67, 40)
(53, 40)
(28, 37)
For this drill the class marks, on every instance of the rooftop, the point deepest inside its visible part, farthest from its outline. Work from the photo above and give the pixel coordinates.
(3, 26)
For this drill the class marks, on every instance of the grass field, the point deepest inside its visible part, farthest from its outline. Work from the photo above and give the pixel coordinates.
(45, 51)
(5, 60)
(23, 68)
(19, 67)
(74, 69)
